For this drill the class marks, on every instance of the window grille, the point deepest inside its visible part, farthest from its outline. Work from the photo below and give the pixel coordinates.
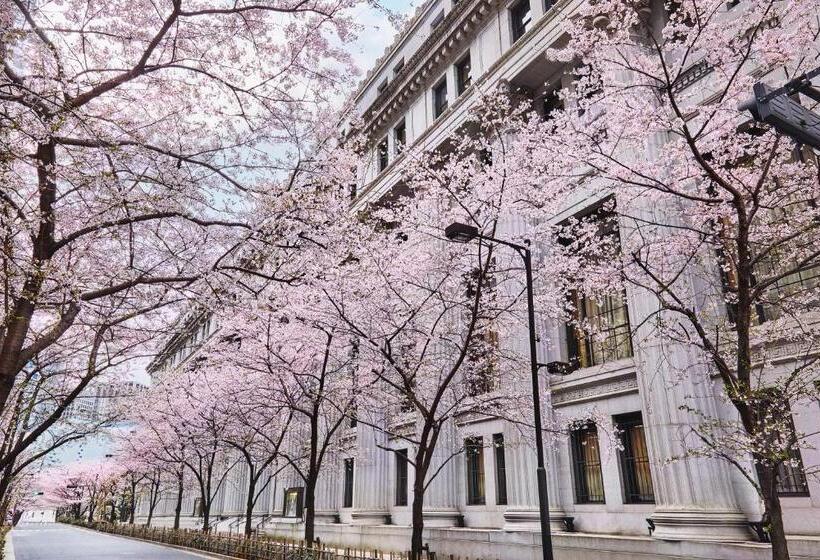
(500, 470)
(464, 74)
(440, 98)
(348, 493)
(600, 330)
(586, 461)
(401, 477)
(521, 18)
(635, 470)
(474, 450)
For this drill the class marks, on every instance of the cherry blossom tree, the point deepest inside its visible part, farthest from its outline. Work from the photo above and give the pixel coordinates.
(51, 405)
(717, 215)
(256, 426)
(132, 153)
(185, 416)
(156, 454)
(301, 370)
(434, 322)
(84, 486)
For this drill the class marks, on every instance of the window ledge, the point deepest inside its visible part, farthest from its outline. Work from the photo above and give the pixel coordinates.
(596, 385)
(609, 369)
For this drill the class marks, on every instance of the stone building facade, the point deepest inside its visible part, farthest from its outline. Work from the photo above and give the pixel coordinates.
(619, 502)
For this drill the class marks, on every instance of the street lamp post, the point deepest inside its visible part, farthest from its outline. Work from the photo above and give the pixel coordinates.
(784, 114)
(464, 233)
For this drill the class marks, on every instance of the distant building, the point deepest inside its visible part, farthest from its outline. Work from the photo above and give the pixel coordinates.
(99, 401)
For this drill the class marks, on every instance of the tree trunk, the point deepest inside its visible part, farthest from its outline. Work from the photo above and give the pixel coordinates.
(24, 307)
(153, 500)
(178, 510)
(133, 505)
(4, 509)
(251, 502)
(91, 512)
(309, 505)
(773, 516)
(206, 514)
(417, 528)
(150, 514)
(5, 481)
(310, 508)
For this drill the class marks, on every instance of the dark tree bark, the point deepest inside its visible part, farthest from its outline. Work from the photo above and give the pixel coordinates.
(773, 516)
(153, 497)
(250, 503)
(180, 490)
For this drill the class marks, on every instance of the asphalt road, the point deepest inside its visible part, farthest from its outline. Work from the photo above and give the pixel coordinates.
(52, 541)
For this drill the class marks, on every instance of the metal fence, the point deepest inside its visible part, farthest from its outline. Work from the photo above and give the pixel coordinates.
(254, 548)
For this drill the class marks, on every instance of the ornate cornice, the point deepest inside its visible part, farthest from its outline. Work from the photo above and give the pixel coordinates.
(594, 391)
(450, 35)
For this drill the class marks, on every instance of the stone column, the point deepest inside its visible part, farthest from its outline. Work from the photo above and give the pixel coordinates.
(372, 477)
(441, 501)
(523, 512)
(328, 491)
(694, 495)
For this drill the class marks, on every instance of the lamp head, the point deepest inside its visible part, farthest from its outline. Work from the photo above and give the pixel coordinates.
(460, 233)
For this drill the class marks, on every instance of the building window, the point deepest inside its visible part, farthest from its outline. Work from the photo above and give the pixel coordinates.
(382, 86)
(464, 75)
(521, 18)
(637, 477)
(353, 418)
(474, 450)
(500, 470)
(481, 375)
(609, 339)
(440, 98)
(791, 478)
(586, 461)
(780, 299)
(383, 155)
(293, 502)
(401, 477)
(600, 331)
(437, 20)
(347, 501)
(197, 507)
(552, 102)
(400, 136)
(398, 67)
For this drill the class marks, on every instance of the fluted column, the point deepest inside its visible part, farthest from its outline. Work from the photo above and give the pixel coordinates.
(523, 512)
(694, 495)
(328, 492)
(523, 509)
(441, 501)
(522, 485)
(553, 466)
(372, 478)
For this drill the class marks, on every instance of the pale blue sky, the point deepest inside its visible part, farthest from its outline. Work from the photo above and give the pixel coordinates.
(378, 33)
